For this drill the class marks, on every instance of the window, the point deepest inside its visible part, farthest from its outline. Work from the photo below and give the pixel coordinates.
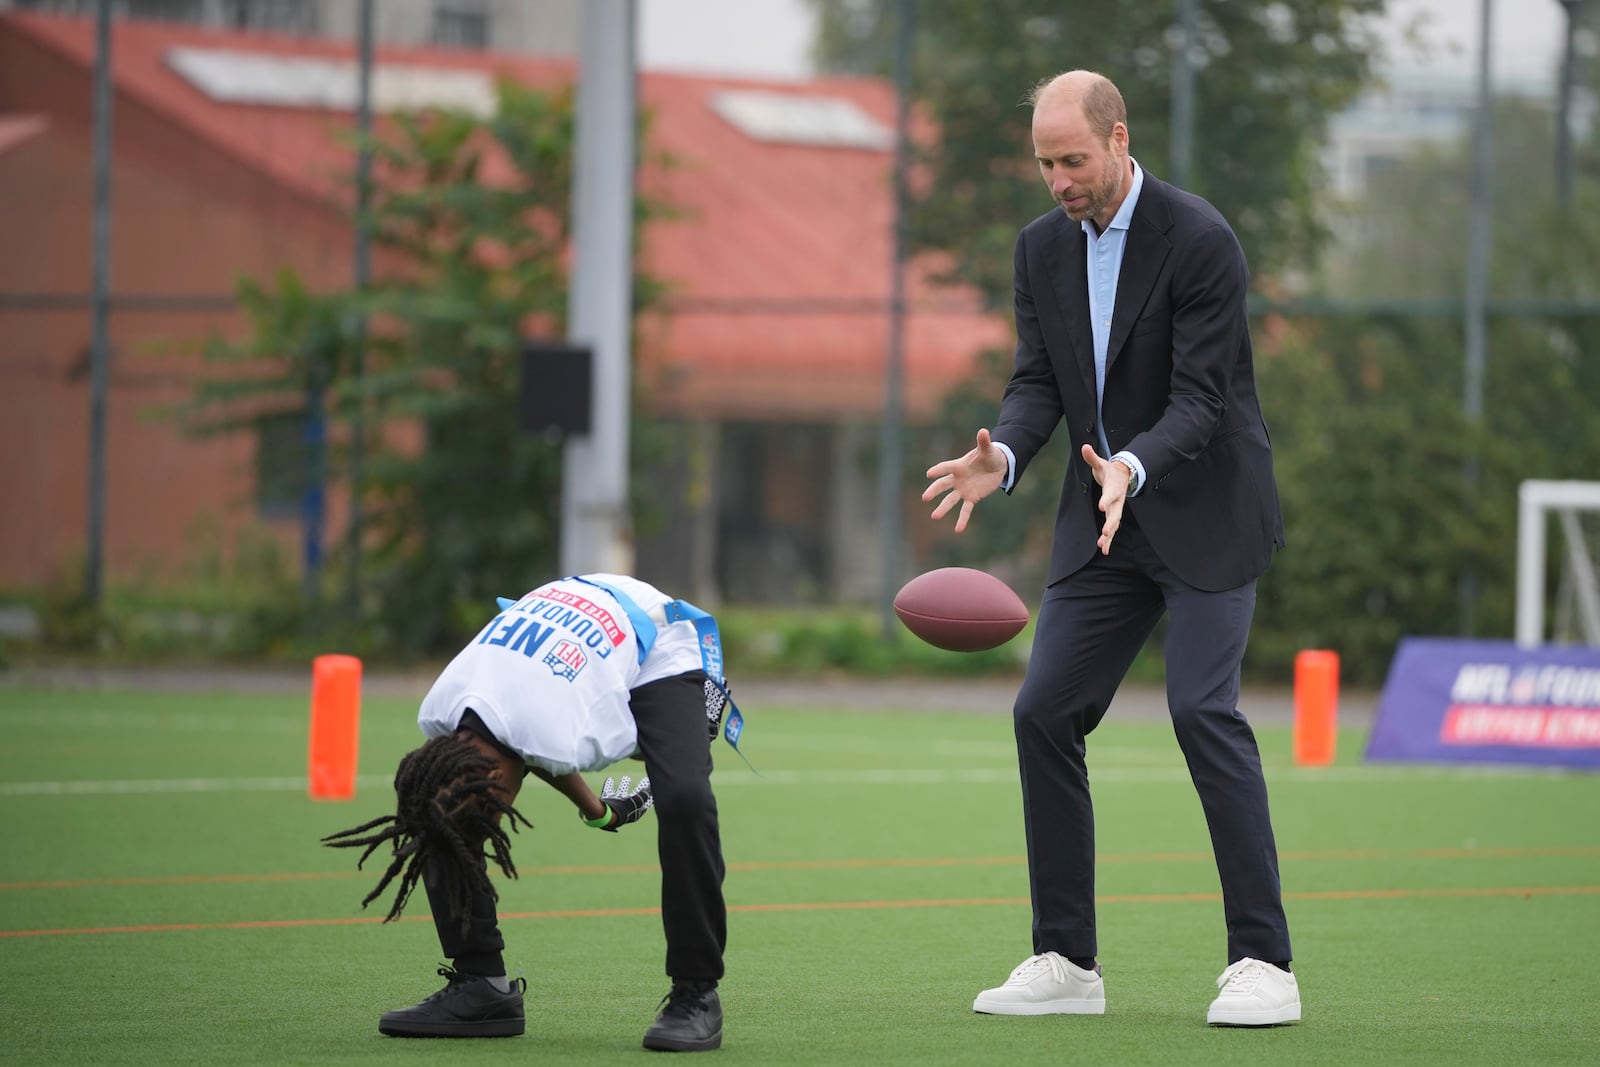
(1378, 164)
(285, 16)
(281, 475)
(461, 23)
(65, 7)
(281, 16)
(164, 10)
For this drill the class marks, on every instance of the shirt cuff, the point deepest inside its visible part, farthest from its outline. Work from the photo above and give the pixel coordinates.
(1138, 471)
(1011, 467)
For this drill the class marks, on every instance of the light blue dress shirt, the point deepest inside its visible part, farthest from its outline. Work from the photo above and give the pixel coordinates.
(1104, 252)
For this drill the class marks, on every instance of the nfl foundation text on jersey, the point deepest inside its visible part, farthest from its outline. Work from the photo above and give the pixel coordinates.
(584, 621)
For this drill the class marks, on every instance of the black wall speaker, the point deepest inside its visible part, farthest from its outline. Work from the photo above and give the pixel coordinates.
(557, 388)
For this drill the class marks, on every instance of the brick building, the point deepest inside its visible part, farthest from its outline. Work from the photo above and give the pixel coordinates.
(773, 346)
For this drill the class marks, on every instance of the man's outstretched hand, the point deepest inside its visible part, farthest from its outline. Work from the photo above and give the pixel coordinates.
(967, 480)
(626, 807)
(1113, 477)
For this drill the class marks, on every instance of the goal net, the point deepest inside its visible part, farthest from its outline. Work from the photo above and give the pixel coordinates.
(1575, 614)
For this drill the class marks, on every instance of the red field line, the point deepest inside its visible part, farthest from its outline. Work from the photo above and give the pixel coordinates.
(1575, 851)
(1185, 898)
(183, 879)
(1525, 892)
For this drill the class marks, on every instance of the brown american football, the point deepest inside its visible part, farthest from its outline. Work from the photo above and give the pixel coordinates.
(961, 609)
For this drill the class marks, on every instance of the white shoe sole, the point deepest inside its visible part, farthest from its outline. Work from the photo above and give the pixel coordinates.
(1043, 1007)
(1289, 1013)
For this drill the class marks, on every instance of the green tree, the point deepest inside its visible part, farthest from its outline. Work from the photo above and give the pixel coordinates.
(1419, 534)
(476, 507)
(1369, 446)
(274, 384)
(1269, 75)
(470, 215)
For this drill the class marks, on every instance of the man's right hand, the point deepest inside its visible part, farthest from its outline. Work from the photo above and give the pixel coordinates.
(966, 480)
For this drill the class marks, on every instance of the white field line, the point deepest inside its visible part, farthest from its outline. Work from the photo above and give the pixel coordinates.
(192, 722)
(897, 776)
(173, 785)
(163, 721)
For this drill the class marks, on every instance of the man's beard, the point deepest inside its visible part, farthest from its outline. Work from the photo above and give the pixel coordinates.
(1099, 197)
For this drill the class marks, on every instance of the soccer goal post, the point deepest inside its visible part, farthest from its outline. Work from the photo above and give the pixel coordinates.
(1536, 500)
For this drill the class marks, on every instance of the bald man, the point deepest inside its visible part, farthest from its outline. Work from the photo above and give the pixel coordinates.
(1131, 330)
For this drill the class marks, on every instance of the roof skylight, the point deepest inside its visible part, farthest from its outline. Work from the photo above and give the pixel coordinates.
(787, 118)
(321, 82)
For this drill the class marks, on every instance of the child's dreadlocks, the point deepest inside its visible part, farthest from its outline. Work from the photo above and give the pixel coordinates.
(447, 813)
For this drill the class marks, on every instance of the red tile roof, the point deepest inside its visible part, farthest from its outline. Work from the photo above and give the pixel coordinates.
(779, 267)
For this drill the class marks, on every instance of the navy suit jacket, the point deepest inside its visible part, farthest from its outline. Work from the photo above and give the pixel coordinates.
(1180, 390)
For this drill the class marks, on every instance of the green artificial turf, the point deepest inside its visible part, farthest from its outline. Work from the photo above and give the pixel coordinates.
(163, 899)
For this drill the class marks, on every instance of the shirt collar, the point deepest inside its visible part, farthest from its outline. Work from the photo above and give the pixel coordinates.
(1124, 214)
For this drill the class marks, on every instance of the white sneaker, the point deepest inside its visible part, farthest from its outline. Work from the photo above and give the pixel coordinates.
(1046, 985)
(1255, 994)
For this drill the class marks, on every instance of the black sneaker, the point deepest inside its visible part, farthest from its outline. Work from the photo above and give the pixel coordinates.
(467, 1007)
(690, 1020)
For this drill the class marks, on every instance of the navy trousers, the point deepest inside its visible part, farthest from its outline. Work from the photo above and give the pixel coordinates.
(1090, 627)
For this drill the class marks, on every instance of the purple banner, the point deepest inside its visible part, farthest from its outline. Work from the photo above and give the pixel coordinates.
(1454, 701)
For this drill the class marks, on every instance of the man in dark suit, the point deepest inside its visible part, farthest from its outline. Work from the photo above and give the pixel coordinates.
(1131, 328)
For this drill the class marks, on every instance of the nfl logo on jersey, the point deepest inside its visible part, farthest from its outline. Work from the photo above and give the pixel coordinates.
(565, 660)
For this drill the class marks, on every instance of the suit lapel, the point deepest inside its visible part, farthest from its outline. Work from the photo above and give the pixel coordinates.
(1142, 259)
(1065, 262)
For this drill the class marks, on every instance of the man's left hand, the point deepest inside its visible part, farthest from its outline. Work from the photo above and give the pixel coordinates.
(1113, 478)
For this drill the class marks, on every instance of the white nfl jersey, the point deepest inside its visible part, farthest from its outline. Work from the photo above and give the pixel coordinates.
(550, 675)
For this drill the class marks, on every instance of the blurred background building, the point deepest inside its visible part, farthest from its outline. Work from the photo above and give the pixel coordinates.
(1419, 110)
(228, 163)
(543, 26)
